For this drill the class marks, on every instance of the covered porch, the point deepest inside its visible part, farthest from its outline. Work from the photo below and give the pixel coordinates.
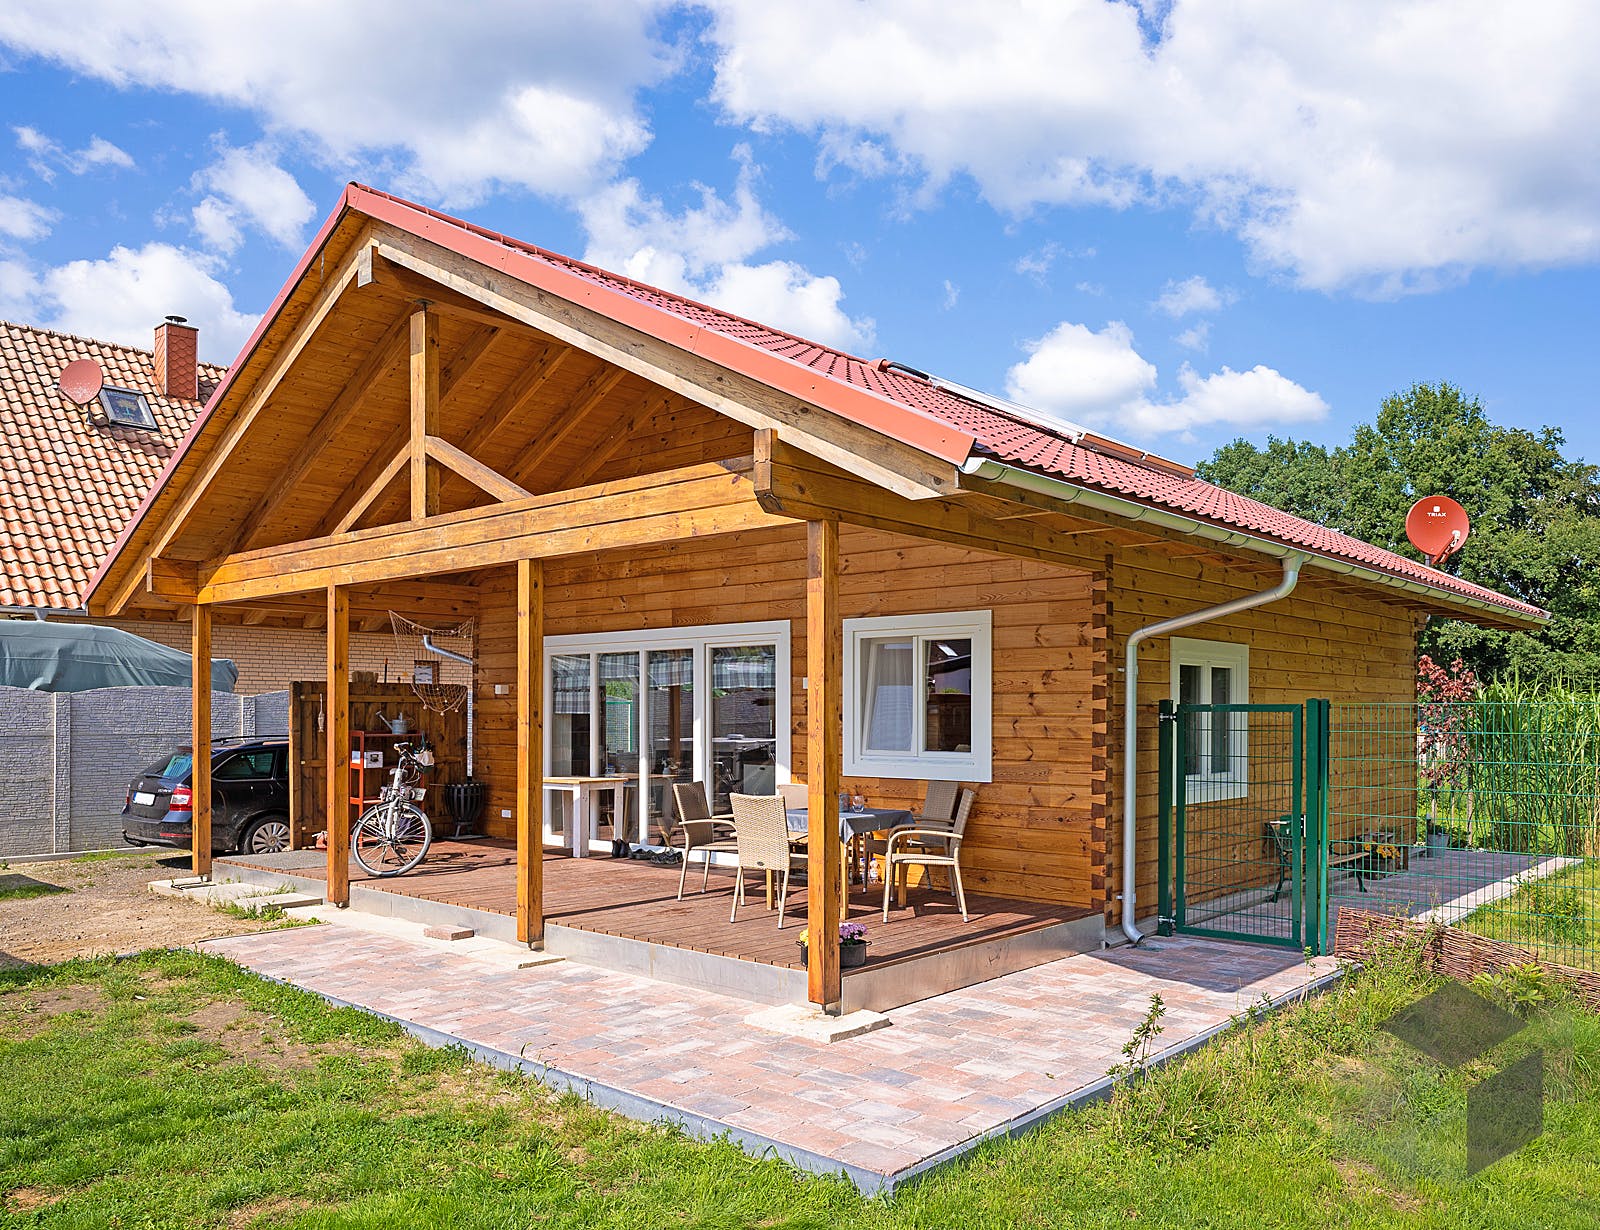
(626, 915)
(641, 531)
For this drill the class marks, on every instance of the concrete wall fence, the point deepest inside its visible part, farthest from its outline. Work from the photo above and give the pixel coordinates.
(66, 758)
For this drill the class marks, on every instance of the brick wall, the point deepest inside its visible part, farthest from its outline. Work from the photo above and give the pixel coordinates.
(269, 659)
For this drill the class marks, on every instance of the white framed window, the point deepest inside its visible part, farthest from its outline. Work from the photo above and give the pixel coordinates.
(1215, 746)
(918, 697)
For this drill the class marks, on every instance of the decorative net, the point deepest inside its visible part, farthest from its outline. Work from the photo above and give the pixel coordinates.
(440, 681)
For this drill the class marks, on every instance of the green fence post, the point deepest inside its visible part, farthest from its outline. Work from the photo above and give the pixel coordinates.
(1164, 725)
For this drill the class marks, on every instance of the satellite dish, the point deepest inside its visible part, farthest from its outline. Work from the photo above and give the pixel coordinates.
(1437, 526)
(81, 381)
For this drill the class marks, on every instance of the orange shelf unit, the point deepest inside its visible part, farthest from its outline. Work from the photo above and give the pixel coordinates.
(360, 742)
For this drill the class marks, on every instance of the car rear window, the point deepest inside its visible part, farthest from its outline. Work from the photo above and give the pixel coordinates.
(176, 765)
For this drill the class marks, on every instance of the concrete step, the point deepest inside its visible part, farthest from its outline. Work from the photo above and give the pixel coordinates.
(496, 953)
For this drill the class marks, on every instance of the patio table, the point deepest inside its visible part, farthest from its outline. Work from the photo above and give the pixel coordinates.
(852, 825)
(582, 790)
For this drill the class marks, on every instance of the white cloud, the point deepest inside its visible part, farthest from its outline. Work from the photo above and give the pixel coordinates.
(45, 154)
(1377, 145)
(1194, 294)
(704, 252)
(1036, 264)
(123, 297)
(787, 295)
(952, 295)
(1196, 337)
(1101, 380)
(248, 186)
(1077, 373)
(24, 219)
(450, 103)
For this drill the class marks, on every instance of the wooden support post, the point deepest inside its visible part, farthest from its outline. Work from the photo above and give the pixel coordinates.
(824, 743)
(530, 751)
(338, 749)
(424, 412)
(200, 736)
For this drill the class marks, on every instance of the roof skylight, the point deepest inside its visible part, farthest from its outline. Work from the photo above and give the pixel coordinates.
(126, 408)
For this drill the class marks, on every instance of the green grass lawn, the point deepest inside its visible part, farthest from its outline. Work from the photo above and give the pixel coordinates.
(1557, 916)
(176, 1090)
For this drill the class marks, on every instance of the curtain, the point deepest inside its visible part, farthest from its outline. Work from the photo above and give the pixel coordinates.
(890, 693)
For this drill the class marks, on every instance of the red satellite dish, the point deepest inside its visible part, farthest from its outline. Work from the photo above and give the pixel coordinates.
(1437, 526)
(81, 381)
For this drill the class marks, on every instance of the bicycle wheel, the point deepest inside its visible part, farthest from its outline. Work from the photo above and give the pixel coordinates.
(391, 839)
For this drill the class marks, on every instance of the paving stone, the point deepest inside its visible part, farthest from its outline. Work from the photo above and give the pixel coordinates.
(951, 1069)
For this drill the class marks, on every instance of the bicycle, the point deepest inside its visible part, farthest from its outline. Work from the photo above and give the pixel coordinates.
(393, 835)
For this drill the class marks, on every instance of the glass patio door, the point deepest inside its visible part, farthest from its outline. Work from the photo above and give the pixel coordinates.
(670, 747)
(744, 729)
(617, 749)
(571, 744)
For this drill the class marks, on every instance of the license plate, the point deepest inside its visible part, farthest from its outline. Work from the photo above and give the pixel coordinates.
(144, 798)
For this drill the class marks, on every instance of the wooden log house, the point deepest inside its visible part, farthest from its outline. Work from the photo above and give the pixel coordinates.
(784, 561)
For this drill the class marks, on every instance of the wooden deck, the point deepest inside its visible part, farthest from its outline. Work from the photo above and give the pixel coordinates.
(637, 900)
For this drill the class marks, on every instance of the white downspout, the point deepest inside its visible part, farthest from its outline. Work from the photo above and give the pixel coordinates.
(1130, 733)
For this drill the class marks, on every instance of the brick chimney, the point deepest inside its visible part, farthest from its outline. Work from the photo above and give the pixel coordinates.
(178, 358)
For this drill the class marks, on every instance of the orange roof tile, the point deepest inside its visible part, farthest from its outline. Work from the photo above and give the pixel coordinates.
(67, 487)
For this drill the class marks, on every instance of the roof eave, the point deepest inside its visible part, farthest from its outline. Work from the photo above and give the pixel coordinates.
(1520, 615)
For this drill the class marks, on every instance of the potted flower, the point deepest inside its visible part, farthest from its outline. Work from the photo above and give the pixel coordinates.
(852, 945)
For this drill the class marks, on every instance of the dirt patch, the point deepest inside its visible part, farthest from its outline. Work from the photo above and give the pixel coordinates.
(273, 1210)
(250, 1036)
(26, 1199)
(31, 1012)
(109, 910)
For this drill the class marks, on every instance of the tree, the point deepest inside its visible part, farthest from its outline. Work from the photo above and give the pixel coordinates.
(1535, 517)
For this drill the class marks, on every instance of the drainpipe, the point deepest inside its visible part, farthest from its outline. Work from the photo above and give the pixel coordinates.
(1292, 560)
(1130, 707)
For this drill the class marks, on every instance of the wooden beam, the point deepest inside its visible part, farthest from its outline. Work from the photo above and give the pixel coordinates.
(560, 425)
(464, 362)
(530, 751)
(708, 499)
(824, 743)
(200, 737)
(616, 436)
(174, 579)
(337, 752)
(381, 359)
(375, 488)
(515, 396)
(791, 481)
(211, 464)
(424, 412)
(474, 471)
(886, 461)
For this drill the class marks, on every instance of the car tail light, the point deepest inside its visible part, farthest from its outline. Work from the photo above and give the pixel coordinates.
(182, 799)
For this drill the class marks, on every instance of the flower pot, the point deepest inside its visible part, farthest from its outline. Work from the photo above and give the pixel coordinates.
(852, 956)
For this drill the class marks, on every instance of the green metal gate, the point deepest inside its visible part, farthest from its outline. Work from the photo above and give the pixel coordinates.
(1243, 822)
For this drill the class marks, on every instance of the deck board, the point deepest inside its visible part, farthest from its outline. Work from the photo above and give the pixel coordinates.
(638, 900)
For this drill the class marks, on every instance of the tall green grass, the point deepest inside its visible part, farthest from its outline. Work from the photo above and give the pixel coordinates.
(1533, 769)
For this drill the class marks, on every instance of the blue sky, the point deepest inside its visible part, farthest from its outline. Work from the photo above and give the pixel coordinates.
(1175, 222)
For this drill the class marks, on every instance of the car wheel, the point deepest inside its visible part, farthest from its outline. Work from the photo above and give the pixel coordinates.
(267, 835)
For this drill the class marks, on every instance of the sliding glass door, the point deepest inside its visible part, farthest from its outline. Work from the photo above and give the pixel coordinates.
(652, 708)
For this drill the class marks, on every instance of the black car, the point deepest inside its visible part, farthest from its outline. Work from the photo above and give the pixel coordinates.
(249, 799)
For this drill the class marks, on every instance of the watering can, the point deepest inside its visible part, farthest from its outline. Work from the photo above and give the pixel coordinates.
(398, 725)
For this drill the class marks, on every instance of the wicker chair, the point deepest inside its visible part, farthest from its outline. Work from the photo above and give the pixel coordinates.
(761, 833)
(939, 800)
(933, 845)
(700, 829)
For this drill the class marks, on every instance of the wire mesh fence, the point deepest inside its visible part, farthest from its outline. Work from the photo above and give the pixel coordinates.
(1479, 814)
(1237, 781)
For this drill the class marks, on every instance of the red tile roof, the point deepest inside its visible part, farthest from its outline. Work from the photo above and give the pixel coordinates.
(67, 487)
(991, 432)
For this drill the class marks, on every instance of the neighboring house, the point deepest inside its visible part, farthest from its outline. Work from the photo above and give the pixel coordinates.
(653, 506)
(72, 475)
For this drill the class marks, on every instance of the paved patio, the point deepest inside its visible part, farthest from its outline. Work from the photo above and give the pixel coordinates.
(949, 1072)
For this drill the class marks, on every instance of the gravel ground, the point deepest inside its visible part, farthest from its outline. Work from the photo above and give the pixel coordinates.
(107, 908)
